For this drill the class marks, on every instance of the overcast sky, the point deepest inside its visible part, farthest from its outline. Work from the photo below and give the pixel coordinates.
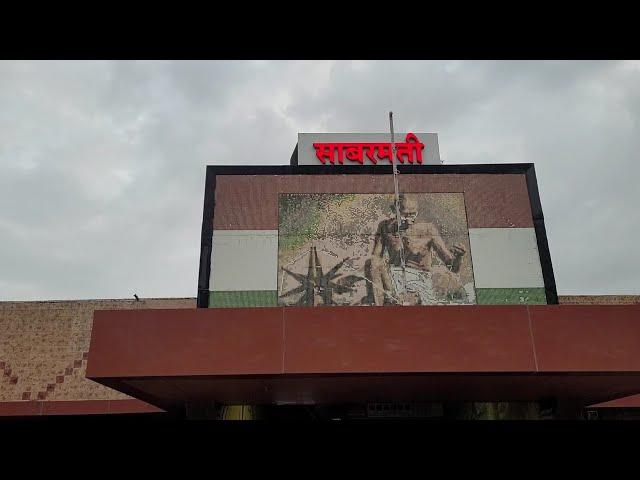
(102, 164)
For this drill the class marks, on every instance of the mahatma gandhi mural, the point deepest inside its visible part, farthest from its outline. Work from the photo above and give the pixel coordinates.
(347, 249)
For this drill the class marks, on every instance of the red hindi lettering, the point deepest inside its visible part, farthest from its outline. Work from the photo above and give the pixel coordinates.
(353, 152)
(409, 151)
(371, 152)
(326, 151)
(384, 151)
(411, 146)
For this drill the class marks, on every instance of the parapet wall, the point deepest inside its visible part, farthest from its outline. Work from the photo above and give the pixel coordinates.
(43, 355)
(44, 347)
(599, 299)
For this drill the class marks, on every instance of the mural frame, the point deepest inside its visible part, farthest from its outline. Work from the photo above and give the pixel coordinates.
(526, 169)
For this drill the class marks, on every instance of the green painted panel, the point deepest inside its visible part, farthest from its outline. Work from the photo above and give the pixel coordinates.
(511, 296)
(484, 296)
(247, 298)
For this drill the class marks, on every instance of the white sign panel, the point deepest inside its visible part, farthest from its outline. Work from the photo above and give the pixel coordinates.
(335, 149)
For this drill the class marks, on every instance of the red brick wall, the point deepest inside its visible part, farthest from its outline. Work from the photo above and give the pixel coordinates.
(43, 356)
(250, 202)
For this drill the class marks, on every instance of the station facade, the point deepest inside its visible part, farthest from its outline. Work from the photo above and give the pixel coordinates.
(333, 287)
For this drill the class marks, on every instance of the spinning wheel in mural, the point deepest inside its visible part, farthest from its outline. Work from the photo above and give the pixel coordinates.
(317, 287)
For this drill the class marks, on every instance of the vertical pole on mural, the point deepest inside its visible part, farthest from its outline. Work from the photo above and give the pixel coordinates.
(397, 202)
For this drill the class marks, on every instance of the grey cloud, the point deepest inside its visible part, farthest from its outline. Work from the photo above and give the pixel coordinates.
(102, 163)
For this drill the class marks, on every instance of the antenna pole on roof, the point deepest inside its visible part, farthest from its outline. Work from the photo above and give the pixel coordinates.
(397, 202)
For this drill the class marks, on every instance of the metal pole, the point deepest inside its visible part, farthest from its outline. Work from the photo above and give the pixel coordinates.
(397, 203)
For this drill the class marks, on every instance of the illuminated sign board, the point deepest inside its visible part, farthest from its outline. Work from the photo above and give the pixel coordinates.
(367, 149)
(409, 151)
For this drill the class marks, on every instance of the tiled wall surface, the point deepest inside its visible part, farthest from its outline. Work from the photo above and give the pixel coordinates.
(44, 348)
(599, 299)
(247, 237)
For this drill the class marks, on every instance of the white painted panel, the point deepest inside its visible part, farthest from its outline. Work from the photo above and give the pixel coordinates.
(244, 260)
(505, 258)
(307, 154)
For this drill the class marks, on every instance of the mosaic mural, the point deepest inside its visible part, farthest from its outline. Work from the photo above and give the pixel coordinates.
(346, 249)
